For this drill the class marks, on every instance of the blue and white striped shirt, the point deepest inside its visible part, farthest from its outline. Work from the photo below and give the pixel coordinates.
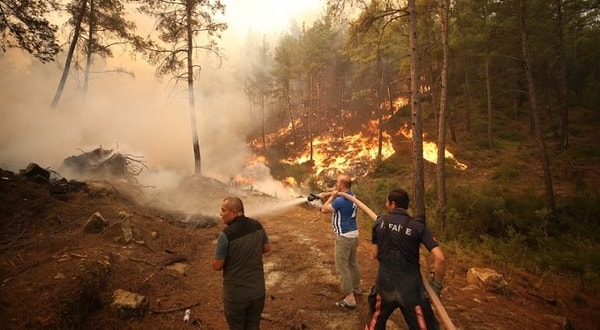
(343, 219)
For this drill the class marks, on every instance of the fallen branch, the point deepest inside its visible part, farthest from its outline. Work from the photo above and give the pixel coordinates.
(176, 309)
(142, 260)
(148, 277)
(32, 265)
(5, 245)
(143, 243)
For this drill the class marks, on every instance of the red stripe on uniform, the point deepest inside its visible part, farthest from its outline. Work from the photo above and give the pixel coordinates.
(420, 318)
(373, 322)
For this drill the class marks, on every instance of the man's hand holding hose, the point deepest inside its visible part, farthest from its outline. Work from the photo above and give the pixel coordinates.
(327, 198)
(433, 294)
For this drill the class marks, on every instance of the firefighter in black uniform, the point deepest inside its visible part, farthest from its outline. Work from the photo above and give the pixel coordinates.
(396, 238)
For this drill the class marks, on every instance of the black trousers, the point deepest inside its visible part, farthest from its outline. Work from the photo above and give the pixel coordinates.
(416, 316)
(244, 315)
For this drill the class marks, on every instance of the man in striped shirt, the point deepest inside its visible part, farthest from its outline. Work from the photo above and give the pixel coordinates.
(343, 221)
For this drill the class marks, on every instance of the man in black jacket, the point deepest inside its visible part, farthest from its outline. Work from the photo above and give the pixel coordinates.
(239, 254)
(396, 238)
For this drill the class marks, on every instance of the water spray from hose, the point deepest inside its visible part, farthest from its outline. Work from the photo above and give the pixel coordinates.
(279, 206)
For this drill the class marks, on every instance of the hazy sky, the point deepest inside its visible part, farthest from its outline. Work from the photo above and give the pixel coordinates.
(138, 114)
(268, 16)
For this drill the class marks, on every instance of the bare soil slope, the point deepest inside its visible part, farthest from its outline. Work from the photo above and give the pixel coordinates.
(52, 275)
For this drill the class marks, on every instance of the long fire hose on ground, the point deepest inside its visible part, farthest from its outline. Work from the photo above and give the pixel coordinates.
(435, 301)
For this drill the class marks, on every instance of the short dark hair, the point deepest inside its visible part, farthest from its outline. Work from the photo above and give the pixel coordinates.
(235, 204)
(399, 197)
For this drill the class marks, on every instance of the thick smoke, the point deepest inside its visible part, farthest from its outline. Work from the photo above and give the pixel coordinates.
(135, 114)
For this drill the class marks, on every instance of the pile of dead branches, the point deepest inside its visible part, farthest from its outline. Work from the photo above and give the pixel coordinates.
(103, 163)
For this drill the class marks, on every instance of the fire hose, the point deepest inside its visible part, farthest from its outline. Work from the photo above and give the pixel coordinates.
(435, 301)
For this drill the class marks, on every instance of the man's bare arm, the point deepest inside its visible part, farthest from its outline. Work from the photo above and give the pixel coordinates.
(374, 251)
(327, 208)
(439, 264)
(217, 264)
(266, 247)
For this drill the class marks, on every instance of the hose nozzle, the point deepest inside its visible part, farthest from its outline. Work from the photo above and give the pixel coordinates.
(311, 197)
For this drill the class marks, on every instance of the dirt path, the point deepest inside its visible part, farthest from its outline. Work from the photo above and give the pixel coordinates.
(301, 279)
(54, 276)
(302, 287)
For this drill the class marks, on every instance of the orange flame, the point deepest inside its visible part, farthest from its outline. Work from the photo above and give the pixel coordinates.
(271, 138)
(290, 181)
(398, 103)
(256, 176)
(354, 152)
(430, 149)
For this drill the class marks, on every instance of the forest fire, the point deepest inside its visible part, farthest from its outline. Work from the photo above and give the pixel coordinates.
(352, 153)
(256, 176)
(271, 138)
(332, 153)
(430, 149)
(390, 110)
(400, 102)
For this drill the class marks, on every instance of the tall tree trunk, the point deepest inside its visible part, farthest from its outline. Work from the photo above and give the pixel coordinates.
(488, 88)
(191, 101)
(441, 155)
(418, 184)
(432, 93)
(469, 99)
(379, 157)
(342, 104)
(562, 76)
(378, 88)
(90, 49)
(389, 95)
(288, 101)
(452, 126)
(539, 131)
(310, 115)
(391, 113)
(319, 109)
(65, 74)
(263, 121)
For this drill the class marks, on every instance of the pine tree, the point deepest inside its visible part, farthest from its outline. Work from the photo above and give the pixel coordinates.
(23, 25)
(180, 24)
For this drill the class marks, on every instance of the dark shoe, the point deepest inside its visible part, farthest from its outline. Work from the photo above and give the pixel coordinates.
(344, 304)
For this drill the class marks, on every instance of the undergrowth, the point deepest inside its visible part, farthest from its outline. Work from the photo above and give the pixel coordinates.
(509, 228)
(494, 214)
(505, 226)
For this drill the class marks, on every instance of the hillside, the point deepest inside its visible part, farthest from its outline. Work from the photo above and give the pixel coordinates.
(53, 275)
